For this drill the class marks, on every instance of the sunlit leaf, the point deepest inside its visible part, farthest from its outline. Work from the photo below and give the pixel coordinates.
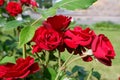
(13, 24)
(53, 73)
(8, 59)
(49, 12)
(26, 35)
(50, 74)
(74, 4)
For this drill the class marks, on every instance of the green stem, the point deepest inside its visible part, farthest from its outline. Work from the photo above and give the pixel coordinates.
(64, 64)
(39, 58)
(89, 75)
(47, 55)
(36, 21)
(24, 51)
(59, 59)
(75, 59)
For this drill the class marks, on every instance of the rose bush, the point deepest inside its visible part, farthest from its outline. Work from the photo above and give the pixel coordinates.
(48, 37)
(77, 40)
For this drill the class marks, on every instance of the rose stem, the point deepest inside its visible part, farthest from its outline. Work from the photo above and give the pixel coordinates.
(59, 71)
(89, 75)
(59, 59)
(39, 58)
(36, 21)
(24, 51)
(47, 55)
(75, 59)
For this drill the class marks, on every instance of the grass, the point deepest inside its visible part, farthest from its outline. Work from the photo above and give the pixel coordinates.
(107, 73)
(106, 25)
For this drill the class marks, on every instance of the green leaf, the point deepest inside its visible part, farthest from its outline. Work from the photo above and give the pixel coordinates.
(49, 74)
(2, 22)
(74, 4)
(67, 4)
(53, 73)
(78, 69)
(26, 35)
(13, 24)
(49, 12)
(96, 75)
(7, 59)
(81, 72)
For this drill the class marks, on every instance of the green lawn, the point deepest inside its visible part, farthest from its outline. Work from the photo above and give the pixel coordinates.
(107, 73)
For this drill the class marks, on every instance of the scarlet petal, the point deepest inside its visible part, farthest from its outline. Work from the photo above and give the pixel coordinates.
(103, 50)
(57, 22)
(34, 68)
(21, 69)
(70, 43)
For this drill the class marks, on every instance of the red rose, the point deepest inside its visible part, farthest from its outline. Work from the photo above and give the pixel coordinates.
(21, 69)
(85, 36)
(103, 49)
(45, 39)
(8, 79)
(71, 39)
(14, 8)
(1, 2)
(76, 37)
(34, 3)
(27, 2)
(57, 22)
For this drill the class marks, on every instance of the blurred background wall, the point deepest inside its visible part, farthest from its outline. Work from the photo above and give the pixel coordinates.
(102, 10)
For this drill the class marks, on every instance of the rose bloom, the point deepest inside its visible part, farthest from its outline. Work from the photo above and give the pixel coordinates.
(45, 39)
(34, 3)
(76, 37)
(21, 69)
(58, 22)
(1, 2)
(103, 49)
(27, 2)
(14, 8)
